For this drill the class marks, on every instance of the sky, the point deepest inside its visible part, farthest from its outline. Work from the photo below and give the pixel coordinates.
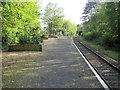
(73, 9)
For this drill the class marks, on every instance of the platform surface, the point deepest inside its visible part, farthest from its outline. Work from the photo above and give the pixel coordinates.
(58, 66)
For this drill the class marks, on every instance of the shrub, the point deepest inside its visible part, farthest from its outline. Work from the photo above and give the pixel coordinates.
(91, 35)
(108, 41)
(37, 40)
(24, 40)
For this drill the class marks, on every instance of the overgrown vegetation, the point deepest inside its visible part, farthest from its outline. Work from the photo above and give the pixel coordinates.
(20, 23)
(101, 24)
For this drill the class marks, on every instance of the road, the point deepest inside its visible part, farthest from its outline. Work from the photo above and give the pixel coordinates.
(59, 65)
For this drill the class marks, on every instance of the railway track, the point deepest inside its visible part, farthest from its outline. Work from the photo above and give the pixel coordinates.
(108, 72)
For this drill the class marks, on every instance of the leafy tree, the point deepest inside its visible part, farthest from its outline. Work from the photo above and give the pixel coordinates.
(53, 18)
(69, 28)
(20, 22)
(103, 26)
(90, 9)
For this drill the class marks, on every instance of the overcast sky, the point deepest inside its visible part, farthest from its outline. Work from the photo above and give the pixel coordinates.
(72, 8)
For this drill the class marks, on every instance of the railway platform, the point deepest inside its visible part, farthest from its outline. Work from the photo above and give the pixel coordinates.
(59, 66)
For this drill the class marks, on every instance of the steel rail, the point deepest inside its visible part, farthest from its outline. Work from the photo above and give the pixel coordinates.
(105, 85)
(99, 56)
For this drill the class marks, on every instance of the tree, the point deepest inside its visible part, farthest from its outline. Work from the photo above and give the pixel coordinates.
(103, 26)
(90, 9)
(69, 28)
(53, 18)
(20, 23)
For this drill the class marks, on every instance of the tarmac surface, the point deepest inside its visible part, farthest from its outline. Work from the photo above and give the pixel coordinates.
(58, 66)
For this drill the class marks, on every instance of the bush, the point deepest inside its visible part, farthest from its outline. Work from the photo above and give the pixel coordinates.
(37, 40)
(91, 35)
(24, 40)
(108, 41)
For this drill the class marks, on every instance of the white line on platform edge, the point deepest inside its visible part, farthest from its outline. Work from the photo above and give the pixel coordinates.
(96, 74)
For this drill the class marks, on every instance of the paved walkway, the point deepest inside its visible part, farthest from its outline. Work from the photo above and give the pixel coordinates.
(60, 66)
